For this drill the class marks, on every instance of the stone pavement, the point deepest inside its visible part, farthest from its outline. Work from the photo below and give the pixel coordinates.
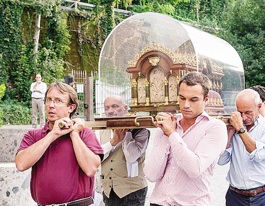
(14, 185)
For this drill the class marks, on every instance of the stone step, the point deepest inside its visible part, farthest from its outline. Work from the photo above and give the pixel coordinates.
(14, 186)
(11, 136)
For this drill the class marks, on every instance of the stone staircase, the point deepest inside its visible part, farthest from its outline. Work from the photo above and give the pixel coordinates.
(14, 185)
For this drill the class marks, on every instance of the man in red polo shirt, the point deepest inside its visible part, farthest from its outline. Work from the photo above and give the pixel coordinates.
(64, 155)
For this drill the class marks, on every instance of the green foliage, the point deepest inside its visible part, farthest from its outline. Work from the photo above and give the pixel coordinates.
(20, 77)
(54, 48)
(17, 62)
(46, 8)
(58, 37)
(163, 8)
(244, 24)
(2, 90)
(1, 117)
(10, 39)
(15, 113)
(49, 66)
(91, 28)
(107, 19)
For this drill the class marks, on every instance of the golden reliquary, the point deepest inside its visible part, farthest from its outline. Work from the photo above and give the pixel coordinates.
(146, 55)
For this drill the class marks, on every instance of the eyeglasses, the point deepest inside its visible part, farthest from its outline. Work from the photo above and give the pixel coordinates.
(56, 102)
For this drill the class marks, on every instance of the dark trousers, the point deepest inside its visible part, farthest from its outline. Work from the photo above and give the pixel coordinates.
(136, 198)
(235, 199)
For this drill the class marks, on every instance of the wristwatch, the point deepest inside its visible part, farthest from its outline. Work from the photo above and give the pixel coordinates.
(241, 130)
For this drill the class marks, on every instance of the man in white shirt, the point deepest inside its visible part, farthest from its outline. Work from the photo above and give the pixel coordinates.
(38, 90)
(245, 152)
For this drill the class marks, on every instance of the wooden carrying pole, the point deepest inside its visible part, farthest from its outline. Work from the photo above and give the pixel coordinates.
(132, 122)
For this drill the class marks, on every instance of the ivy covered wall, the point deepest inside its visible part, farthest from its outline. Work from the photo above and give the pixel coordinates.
(67, 40)
(18, 62)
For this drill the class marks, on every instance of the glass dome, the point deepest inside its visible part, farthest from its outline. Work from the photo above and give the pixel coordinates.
(149, 44)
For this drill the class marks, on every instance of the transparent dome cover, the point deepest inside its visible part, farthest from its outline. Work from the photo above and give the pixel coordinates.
(143, 33)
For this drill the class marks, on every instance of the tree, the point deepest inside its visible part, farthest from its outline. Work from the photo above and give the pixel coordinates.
(243, 25)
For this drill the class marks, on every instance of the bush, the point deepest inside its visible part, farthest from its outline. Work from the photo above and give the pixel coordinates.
(2, 92)
(1, 117)
(15, 113)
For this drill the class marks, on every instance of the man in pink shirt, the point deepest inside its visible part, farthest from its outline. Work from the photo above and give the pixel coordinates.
(186, 148)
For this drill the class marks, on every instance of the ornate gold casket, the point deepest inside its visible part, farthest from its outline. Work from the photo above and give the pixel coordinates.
(145, 56)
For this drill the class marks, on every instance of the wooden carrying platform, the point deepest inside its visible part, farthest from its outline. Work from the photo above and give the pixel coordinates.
(121, 123)
(133, 122)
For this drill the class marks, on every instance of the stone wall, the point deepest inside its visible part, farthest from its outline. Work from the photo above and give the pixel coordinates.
(14, 185)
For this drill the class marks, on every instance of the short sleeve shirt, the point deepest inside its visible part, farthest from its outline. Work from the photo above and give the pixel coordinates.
(57, 177)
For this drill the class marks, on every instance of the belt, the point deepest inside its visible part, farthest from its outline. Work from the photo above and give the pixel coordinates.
(80, 202)
(249, 193)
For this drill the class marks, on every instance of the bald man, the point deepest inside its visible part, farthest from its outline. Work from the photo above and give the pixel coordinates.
(246, 152)
(122, 176)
